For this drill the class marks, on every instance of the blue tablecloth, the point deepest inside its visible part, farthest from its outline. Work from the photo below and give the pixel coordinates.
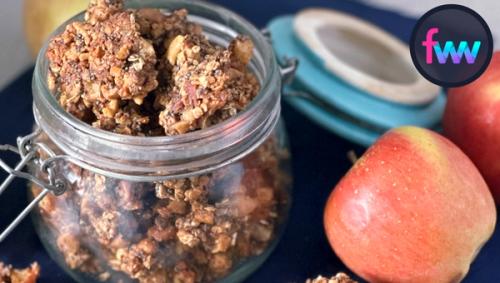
(319, 161)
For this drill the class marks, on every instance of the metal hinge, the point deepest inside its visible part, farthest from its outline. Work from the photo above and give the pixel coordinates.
(40, 155)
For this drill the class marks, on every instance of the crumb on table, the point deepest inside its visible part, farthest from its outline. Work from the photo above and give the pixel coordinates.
(339, 278)
(9, 274)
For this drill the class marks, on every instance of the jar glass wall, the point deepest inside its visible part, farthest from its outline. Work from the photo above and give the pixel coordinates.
(203, 228)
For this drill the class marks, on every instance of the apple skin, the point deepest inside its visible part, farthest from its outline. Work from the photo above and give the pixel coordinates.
(41, 18)
(472, 121)
(414, 208)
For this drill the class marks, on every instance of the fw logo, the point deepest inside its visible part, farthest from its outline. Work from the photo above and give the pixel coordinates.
(449, 49)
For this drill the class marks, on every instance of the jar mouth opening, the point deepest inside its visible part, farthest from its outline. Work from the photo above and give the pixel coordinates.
(263, 56)
(150, 158)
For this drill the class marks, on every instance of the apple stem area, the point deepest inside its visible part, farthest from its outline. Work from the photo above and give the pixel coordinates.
(352, 156)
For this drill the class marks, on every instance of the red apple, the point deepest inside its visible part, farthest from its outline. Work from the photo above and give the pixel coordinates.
(413, 208)
(472, 121)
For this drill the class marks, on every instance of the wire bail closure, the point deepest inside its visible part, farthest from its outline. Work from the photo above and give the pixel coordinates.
(31, 151)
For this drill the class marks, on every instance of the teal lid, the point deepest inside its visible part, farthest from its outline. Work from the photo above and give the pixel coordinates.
(337, 105)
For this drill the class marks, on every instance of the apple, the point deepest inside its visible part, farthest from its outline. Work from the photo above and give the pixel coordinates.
(472, 121)
(413, 208)
(41, 18)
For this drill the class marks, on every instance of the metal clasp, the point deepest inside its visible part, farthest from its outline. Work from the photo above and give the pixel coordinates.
(288, 67)
(41, 155)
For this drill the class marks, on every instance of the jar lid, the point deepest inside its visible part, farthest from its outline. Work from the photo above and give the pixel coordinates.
(343, 106)
(363, 55)
(335, 121)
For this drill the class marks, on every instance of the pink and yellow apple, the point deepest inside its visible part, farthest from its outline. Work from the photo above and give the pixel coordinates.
(472, 121)
(41, 18)
(413, 208)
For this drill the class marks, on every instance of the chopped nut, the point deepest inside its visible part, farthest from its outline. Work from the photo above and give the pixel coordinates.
(47, 204)
(162, 234)
(104, 276)
(181, 127)
(74, 254)
(123, 52)
(100, 10)
(204, 216)
(265, 194)
(222, 243)
(242, 48)
(262, 233)
(114, 104)
(174, 49)
(183, 274)
(220, 263)
(177, 206)
(162, 191)
(245, 205)
(193, 194)
(138, 100)
(187, 238)
(130, 197)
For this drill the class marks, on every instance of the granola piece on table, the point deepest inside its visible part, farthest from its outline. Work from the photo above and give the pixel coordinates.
(339, 278)
(9, 274)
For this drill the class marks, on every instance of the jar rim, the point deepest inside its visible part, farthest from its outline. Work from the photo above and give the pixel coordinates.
(153, 139)
(254, 116)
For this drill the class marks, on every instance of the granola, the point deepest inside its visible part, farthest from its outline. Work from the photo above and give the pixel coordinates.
(8, 274)
(144, 72)
(194, 229)
(148, 73)
(102, 72)
(339, 278)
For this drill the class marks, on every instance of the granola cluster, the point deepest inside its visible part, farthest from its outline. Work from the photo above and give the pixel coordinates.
(339, 278)
(9, 274)
(144, 72)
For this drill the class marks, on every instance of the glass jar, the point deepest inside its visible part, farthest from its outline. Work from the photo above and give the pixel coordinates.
(199, 207)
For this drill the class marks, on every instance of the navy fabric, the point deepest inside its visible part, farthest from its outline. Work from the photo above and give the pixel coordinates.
(319, 161)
